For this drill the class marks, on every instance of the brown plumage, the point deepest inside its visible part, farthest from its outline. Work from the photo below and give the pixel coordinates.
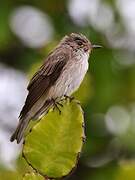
(39, 85)
(44, 79)
(61, 74)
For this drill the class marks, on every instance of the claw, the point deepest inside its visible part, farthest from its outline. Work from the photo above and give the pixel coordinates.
(71, 98)
(56, 105)
(60, 104)
(58, 108)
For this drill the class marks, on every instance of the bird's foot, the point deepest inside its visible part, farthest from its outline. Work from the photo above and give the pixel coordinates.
(56, 105)
(71, 98)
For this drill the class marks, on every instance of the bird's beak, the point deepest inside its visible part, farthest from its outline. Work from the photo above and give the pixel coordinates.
(94, 46)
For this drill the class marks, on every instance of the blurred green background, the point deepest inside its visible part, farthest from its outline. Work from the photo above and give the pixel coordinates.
(28, 31)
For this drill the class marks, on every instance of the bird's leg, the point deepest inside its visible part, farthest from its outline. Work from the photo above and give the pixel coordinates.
(56, 105)
(60, 104)
(69, 97)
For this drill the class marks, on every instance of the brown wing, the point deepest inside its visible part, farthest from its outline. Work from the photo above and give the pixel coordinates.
(45, 77)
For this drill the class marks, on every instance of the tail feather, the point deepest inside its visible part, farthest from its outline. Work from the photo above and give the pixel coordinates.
(19, 132)
(23, 123)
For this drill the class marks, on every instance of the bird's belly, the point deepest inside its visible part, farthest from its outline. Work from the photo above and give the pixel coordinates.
(70, 79)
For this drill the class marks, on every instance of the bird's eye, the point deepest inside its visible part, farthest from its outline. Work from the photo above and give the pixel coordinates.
(79, 43)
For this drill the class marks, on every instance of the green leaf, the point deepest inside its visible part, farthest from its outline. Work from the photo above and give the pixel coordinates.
(54, 144)
(33, 176)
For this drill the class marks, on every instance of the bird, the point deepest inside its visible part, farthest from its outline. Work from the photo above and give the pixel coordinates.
(60, 75)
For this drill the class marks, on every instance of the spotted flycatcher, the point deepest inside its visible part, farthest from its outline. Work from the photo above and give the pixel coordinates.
(60, 75)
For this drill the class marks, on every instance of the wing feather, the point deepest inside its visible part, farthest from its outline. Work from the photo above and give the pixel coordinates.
(43, 79)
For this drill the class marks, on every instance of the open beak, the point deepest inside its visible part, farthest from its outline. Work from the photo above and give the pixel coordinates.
(94, 46)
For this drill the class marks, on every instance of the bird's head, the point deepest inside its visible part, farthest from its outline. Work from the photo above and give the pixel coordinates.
(79, 42)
